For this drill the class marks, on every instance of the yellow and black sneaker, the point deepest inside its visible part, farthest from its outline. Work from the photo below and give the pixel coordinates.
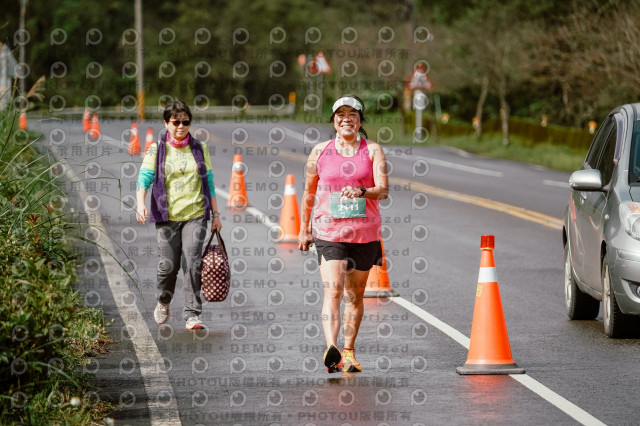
(349, 363)
(332, 359)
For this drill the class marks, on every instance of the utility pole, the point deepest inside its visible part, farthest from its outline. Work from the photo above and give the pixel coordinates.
(407, 68)
(139, 60)
(23, 9)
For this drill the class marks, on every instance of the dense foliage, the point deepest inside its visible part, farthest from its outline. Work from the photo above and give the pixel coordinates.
(571, 61)
(45, 330)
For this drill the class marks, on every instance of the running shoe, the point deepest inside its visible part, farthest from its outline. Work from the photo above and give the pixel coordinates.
(193, 323)
(161, 314)
(332, 359)
(349, 363)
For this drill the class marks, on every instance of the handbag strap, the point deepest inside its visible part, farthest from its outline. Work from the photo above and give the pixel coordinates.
(220, 243)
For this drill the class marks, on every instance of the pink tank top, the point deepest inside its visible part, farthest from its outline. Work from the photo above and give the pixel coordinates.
(334, 173)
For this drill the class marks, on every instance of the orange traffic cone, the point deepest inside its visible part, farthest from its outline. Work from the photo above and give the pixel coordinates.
(290, 215)
(86, 120)
(237, 191)
(22, 122)
(378, 283)
(489, 350)
(149, 139)
(94, 132)
(134, 140)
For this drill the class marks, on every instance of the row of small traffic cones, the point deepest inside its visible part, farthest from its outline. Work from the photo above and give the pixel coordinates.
(134, 140)
(91, 124)
(378, 283)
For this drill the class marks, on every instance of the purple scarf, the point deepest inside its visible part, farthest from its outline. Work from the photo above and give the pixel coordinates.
(159, 210)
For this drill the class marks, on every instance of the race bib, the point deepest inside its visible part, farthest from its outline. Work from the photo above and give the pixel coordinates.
(343, 207)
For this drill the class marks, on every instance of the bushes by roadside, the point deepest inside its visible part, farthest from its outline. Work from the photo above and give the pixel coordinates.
(523, 129)
(46, 332)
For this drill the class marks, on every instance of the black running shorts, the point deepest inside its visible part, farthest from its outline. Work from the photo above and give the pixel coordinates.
(361, 256)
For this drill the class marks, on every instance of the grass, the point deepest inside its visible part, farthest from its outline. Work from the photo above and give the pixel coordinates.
(45, 330)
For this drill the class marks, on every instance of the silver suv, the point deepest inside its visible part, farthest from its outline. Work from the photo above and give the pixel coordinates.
(601, 231)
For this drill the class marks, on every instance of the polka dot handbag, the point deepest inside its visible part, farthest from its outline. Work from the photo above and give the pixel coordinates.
(215, 274)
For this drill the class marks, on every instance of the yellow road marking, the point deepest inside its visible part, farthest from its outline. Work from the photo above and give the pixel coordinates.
(520, 212)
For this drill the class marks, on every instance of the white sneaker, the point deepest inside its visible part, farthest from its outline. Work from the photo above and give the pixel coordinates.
(193, 323)
(161, 314)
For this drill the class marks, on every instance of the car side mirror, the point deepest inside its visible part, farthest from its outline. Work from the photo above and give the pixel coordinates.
(586, 180)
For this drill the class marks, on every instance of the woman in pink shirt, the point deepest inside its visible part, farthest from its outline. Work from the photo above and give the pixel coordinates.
(345, 178)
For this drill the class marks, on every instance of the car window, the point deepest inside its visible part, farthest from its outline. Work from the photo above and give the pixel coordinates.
(621, 124)
(634, 162)
(606, 162)
(591, 162)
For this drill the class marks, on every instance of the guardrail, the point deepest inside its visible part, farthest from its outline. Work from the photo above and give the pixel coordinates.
(155, 113)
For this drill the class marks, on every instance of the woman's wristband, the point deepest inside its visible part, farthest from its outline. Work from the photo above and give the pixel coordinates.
(215, 213)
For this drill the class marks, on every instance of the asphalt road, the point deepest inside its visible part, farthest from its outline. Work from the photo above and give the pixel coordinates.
(259, 362)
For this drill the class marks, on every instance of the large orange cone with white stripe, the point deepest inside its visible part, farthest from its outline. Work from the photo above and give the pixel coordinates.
(378, 283)
(94, 131)
(134, 140)
(489, 349)
(86, 120)
(149, 139)
(290, 215)
(237, 190)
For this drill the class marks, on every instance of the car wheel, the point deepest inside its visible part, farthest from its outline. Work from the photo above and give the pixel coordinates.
(615, 321)
(579, 305)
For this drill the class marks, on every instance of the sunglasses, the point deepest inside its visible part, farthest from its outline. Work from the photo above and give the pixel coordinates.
(184, 122)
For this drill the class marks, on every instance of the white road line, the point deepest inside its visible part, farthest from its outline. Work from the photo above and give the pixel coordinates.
(163, 407)
(294, 134)
(393, 153)
(556, 183)
(571, 409)
(260, 216)
(435, 322)
(533, 385)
